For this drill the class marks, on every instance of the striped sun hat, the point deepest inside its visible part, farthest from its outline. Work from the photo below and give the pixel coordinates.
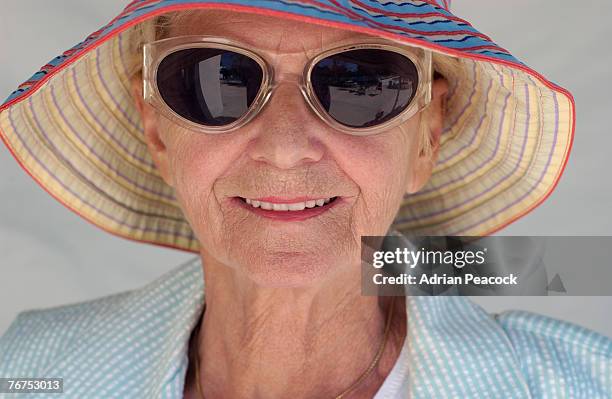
(74, 127)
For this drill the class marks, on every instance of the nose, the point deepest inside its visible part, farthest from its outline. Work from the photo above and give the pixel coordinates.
(287, 132)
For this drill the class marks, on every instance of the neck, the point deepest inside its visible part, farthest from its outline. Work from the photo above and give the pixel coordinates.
(260, 342)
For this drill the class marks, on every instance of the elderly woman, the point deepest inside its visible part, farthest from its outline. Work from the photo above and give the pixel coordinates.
(269, 137)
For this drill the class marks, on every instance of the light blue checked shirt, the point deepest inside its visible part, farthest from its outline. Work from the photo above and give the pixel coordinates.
(134, 345)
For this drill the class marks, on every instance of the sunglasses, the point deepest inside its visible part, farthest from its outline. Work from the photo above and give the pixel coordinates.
(216, 85)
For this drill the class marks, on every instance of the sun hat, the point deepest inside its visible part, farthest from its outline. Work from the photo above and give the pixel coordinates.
(74, 128)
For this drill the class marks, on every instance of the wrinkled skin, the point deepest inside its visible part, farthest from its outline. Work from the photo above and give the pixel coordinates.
(283, 298)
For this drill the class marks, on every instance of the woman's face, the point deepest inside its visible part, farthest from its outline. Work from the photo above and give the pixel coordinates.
(288, 153)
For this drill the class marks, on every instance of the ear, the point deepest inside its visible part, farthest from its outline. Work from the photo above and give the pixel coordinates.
(155, 145)
(432, 119)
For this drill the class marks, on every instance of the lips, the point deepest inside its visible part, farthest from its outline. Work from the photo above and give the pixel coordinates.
(287, 205)
(289, 215)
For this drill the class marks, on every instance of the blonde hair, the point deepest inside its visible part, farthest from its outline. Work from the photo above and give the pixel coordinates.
(159, 28)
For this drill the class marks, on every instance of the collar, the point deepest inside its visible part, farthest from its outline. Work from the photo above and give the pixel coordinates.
(453, 348)
(137, 341)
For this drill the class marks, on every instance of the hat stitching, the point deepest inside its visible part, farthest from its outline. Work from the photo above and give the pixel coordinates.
(71, 166)
(520, 198)
(501, 62)
(135, 125)
(146, 193)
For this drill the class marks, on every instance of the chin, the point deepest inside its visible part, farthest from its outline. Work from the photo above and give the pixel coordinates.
(289, 270)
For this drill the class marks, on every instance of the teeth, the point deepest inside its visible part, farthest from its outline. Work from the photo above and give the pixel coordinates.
(296, 207)
(287, 207)
(280, 207)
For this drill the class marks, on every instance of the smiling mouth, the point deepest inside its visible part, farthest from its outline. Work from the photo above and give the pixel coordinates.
(289, 207)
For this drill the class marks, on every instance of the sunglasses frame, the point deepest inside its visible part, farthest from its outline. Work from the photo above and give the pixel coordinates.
(155, 52)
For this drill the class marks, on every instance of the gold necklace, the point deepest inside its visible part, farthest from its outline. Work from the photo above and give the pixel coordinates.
(363, 376)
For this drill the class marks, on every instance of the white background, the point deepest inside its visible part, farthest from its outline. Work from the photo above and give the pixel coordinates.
(49, 256)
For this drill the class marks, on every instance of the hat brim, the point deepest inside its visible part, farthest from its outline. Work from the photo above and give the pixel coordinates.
(507, 137)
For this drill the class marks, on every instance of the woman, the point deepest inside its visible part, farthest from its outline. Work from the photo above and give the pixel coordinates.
(268, 137)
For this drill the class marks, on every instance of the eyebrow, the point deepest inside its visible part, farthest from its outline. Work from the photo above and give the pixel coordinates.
(218, 30)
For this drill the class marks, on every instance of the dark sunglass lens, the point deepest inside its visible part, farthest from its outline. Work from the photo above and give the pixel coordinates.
(361, 88)
(209, 86)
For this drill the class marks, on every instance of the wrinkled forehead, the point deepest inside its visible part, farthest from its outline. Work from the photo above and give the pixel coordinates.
(261, 31)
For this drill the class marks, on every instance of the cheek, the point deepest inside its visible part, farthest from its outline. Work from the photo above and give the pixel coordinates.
(380, 166)
(196, 162)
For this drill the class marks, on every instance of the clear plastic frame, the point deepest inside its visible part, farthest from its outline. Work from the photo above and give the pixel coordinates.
(155, 52)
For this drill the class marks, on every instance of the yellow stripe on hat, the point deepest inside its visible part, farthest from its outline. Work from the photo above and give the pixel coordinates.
(506, 138)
